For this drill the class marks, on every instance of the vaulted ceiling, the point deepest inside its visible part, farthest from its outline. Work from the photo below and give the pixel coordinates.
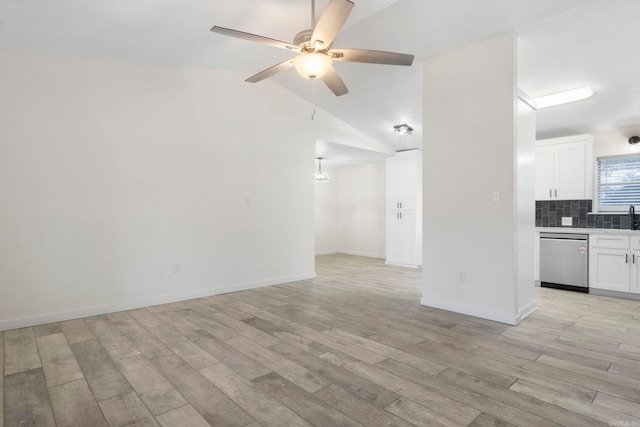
(562, 45)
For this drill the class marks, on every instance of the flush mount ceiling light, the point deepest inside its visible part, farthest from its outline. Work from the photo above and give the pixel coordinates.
(564, 97)
(403, 129)
(321, 176)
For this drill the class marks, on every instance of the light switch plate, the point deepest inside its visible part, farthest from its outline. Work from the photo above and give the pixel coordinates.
(567, 220)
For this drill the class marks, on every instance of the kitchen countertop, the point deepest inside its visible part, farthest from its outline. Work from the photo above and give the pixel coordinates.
(585, 230)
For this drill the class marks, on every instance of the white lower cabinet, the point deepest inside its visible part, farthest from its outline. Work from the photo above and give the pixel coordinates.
(614, 262)
(403, 239)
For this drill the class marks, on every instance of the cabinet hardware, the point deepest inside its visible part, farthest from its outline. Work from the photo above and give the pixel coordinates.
(633, 257)
(550, 194)
(626, 258)
(556, 193)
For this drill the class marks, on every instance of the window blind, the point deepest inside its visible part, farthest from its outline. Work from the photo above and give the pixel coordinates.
(618, 183)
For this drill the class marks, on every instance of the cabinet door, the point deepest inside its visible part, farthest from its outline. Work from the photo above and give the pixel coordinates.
(403, 239)
(609, 269)
(569, 171)
(408, 239)
(634, 285)
(403, 174)
(544, 173)
(394, 236)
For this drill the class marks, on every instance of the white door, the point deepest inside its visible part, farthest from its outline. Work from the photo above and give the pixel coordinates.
(570, 164)
(544, 173)
(609, 269)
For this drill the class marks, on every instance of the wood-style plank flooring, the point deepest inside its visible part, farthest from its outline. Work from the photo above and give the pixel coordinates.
(351, 348)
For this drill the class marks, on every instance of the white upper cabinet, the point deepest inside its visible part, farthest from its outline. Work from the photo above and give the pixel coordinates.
(544, 173)
(564, 168)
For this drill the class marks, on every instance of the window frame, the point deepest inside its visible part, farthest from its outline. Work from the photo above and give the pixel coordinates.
(616, 208)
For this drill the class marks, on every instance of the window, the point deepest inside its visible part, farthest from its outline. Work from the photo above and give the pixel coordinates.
(618, 183)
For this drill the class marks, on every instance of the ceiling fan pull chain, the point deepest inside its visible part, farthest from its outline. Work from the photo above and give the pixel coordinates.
(313, 98)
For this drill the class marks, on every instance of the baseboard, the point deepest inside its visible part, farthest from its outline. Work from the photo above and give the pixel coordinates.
(525, 312)
(470, 311)
(24, 322)
(399, 264)
(326, 252)
(355, 253)
(614, 294)
(364, 254)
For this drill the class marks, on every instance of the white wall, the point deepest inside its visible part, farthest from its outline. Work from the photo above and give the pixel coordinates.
(112, 173)
(351, 211)
(525, 214)
(614, 142)
(469, 130)
(326, 219)
(362, 195)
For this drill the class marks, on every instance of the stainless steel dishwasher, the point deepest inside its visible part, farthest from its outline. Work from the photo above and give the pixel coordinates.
(564, 261)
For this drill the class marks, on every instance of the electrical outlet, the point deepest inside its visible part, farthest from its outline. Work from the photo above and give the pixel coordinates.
(495, 196)
(462, 275)
(177, 267)
(567, 221)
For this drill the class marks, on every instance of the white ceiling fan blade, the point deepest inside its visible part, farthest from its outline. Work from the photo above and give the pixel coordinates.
(371, 56)
(271, 71)
(331, 21)
(334, 82)
(254, 38)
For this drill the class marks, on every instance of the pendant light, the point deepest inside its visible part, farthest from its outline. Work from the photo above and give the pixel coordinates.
(321, 176)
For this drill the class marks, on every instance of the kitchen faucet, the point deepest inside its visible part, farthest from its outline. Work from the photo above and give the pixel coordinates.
(633, 224)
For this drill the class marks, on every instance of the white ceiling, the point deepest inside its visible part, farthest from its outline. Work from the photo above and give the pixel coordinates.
(562, 45)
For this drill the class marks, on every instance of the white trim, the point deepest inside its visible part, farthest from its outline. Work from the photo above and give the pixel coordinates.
(614, 294)
(527, 99)
(327, 252)
(400, 264)
(364, 254)
(24, 322)
(356, 253)
(470, 311)
(565, 139)
(525, 312)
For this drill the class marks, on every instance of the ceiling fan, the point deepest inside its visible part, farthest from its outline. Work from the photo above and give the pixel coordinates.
(315, 51)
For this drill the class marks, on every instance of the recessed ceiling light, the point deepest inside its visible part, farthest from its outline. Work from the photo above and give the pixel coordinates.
(564, 97)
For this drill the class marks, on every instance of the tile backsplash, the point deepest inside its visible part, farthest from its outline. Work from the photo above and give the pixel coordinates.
(549, 214)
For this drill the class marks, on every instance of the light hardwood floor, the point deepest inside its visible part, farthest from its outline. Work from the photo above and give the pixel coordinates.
(352, 347)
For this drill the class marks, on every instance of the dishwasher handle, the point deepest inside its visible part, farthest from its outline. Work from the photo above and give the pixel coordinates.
(562, 240)
(564, 236)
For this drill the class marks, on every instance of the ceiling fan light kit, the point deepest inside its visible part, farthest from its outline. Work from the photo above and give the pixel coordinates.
(314, 48)
(312, 65)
